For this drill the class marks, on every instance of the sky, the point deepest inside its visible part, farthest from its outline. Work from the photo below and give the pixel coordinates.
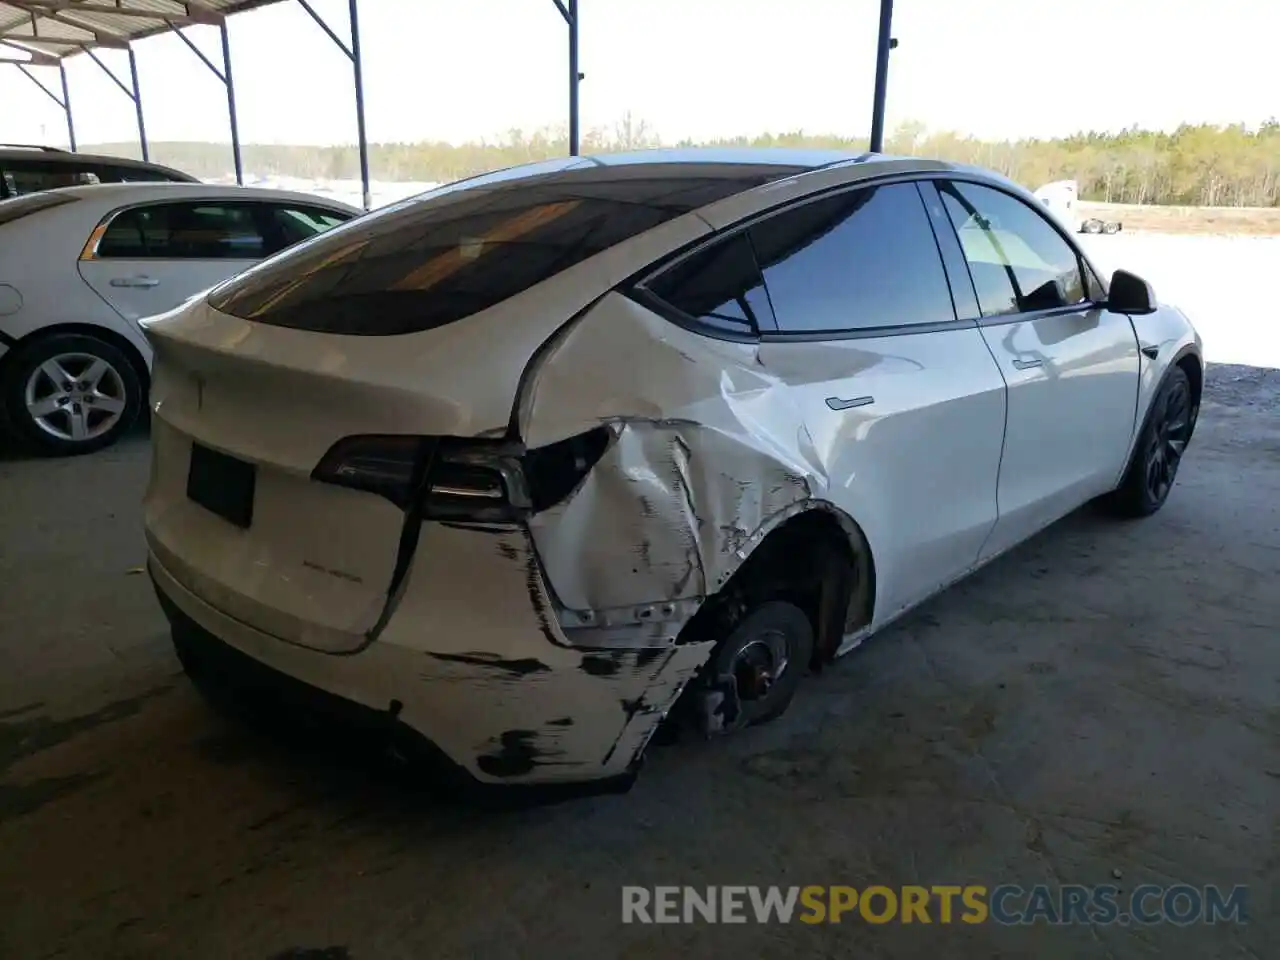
(459, 70)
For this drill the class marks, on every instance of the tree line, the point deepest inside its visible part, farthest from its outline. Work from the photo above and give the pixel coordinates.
(1195, 165)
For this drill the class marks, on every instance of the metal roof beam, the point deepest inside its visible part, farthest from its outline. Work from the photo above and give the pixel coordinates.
(199, 53)
(200, 12)
(95, 36)
(327, 29)
(128, 92)
(194, 13)
(76, 42)
(564, 12)
(36, 58)
(884, 43)
(133, 91)
(64, 101)
(99, 38)
(26, 72)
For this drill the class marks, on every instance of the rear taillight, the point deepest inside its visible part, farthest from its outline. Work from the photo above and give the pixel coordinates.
(452, 478)
(391, 466)
(475, 480)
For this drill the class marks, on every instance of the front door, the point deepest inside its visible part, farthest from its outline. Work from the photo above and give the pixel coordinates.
(1071, 366)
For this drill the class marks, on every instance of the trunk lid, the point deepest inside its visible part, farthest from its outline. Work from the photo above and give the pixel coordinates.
(245, 410)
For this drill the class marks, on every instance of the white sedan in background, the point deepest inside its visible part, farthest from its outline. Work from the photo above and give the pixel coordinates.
(509, 470)
(79, 267)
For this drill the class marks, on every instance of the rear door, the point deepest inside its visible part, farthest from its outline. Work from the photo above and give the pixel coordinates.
(902, 403)
(149, 258)
(1072, 366)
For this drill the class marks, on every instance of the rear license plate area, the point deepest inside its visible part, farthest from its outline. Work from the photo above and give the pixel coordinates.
(222, 485)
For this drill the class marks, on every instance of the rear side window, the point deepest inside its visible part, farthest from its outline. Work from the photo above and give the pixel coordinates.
(24, 177)
(109, 174)
(864, 259)
(428, 263)
(185, 231)
(19, 207)
(718, 288)
(295, 224)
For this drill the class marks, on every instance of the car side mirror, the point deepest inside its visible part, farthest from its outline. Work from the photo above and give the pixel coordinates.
(1129, 293)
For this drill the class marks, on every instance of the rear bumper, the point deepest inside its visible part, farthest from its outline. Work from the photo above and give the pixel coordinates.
(478, 675)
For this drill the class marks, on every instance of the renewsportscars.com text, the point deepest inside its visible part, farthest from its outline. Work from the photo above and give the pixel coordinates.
(1007, 904)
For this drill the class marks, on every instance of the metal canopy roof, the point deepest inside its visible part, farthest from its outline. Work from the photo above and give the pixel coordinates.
(48, 30)
(43, 33)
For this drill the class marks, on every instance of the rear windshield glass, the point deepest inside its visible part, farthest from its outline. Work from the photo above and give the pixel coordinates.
(430, 262)
(19, 207)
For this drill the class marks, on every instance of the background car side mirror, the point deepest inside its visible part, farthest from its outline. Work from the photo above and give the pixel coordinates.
(1129, 293)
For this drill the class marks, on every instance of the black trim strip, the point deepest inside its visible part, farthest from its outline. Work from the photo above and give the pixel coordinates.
(7, 340)
(867, 333)
(1004, 319)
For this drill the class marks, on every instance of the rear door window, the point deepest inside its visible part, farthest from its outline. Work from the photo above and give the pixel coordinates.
(427, 263)
(185, 231)
(718, 289)
(860, 260)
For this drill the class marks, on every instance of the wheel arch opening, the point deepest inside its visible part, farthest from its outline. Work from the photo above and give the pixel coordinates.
(102, 333)
(819, 560)
(1194, 370)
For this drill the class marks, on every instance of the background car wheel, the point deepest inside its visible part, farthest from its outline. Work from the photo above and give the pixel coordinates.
(1110, 228)
(755, 671)
(1158, 452)
(70, 393)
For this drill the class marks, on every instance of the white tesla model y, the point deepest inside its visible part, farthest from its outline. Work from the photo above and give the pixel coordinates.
(512, 468)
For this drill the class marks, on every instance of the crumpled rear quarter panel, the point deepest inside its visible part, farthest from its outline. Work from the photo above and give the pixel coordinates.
(485, 671)
(710, 453)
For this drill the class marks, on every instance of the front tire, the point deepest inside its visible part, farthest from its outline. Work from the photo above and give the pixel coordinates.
(1159, 450)
(70, 393)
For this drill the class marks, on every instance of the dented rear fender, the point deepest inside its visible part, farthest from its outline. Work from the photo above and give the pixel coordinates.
(705, 461)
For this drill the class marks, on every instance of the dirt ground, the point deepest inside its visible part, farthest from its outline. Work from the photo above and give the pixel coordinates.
(1235, 221)
(1100, 706)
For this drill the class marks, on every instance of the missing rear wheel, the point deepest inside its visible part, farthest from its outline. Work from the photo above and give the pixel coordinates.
(755, 671)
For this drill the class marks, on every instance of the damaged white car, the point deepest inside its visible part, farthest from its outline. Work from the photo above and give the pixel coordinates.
(512, 468)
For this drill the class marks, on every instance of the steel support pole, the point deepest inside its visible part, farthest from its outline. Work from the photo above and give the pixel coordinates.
(883, 46)
(574, 77)
(358, 69)
(137, 103)
(66, 105)
(231, 103)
